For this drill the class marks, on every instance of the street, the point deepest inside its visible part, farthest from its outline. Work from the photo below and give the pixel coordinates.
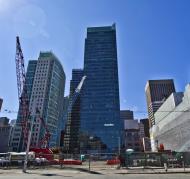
(66, 173)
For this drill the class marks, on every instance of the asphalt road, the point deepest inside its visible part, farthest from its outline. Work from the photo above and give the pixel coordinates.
(64, 174)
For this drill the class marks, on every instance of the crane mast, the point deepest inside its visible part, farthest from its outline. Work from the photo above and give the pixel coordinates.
(24, 113)
(20, 69)
(22, 91)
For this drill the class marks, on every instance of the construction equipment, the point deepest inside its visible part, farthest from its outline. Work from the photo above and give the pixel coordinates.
(24, 113)
(22, 92)
(47, 135)
(47, 152)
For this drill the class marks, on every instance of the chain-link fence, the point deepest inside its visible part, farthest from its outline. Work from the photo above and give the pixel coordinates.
(98, 161)
(157, 159)
(88, 162)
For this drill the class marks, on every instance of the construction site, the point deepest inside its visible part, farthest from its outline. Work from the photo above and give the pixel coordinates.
(36, 142)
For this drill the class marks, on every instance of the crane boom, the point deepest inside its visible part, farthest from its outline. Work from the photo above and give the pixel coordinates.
(76, 94)
(78, 89)
(22, 91)
(72, 100)
(20, 69)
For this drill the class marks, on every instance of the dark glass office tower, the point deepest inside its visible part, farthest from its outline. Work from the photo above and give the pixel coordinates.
(100, 107)
(71, 137)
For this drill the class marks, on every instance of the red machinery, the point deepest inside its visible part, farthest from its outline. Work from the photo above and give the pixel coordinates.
(43, 153)
(22, 92)
(47, 135)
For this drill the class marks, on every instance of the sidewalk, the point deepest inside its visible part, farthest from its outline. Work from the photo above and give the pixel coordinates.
(153, 170)
(39, 171)
(100, 171)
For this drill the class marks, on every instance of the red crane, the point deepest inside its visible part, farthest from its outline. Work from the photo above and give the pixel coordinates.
(44, 140)
(47, 135)
(22, 91)
(24, 113)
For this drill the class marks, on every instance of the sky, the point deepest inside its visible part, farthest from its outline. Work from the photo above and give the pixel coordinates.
(153, 41)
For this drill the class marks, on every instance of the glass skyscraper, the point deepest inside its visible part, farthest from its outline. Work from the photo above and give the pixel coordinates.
(101, 126)
(71, 137)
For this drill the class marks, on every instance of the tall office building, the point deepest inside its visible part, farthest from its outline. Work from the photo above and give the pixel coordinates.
(45, 82)
(157, 91)
(100, 106)
(71, 137)
(126, 115)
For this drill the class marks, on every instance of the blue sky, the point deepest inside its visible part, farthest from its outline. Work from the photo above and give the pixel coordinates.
(153, 40)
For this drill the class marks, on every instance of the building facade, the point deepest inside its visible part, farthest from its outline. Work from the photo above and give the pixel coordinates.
(5, 134)
(126, 115)
(64, 121)
(100, 106)
(45, 81)
(157, 91)
(71, 137)
(133, 135)
(145, 123)
(172, 123)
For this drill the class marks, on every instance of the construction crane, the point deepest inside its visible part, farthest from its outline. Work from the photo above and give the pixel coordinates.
(47, 152)
(22, 91)
(75, 95)
(24, 112)
(47, 135)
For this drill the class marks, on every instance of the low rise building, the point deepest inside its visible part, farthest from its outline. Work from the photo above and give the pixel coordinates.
(132, 135)
(5, 134)
(135, 137)
(126, 115)
(172, 123)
